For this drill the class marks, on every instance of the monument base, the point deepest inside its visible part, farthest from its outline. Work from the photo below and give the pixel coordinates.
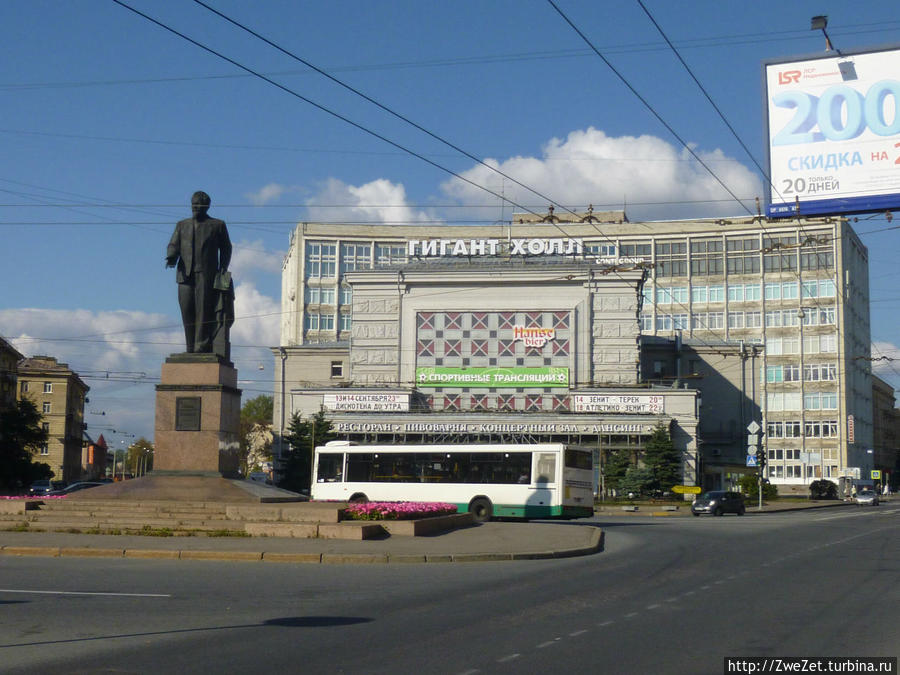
(198, 416)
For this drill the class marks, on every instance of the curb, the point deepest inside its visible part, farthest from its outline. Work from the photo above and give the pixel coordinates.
(594, 546)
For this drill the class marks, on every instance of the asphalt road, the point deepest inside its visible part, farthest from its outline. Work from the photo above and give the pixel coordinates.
(665, 596)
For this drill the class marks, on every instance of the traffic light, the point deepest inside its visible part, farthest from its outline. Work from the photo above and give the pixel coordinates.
(761, 459)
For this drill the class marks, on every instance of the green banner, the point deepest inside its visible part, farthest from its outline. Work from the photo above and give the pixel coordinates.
(438, 376)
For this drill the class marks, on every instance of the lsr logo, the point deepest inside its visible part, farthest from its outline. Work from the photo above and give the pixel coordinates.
(789, 76)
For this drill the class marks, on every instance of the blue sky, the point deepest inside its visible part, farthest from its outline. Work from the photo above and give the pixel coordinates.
(111, 122)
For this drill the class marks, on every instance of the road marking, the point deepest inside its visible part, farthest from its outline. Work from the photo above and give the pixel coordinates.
(631, 614)
(121, 595)
(671, 599)
(690, 592)
(652, 606)
(548, 643)
(510, 657)
(705, 588)
(605, 623)
(848, 515)
(578, 632)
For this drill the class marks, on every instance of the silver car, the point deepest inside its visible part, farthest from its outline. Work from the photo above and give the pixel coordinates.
(867, 498)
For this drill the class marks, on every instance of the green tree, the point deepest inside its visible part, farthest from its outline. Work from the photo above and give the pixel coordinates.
(303, 435)
(617, 464)
(662, 460)
(21, 435)
(822, 489)
(638, 480)
(139, 457)
(256, 433)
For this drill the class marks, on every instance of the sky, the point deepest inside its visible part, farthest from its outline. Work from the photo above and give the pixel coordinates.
(110, 122)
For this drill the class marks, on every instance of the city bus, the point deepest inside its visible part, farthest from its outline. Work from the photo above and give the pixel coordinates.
(544, 480)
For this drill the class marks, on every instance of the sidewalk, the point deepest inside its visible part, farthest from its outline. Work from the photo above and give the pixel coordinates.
(492, 541)
(479, 543)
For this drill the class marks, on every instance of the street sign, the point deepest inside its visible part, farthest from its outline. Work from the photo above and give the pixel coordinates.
(753, 427)
(876, 474)
(752, 439)
(687, 489)
(751, 460)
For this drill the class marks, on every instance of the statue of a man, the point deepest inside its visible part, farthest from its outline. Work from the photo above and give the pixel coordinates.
(201, 250)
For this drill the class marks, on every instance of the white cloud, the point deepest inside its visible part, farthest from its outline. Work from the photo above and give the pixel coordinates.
(379, 201)
(268, 193)
(886, 369)
(589, 167)
(257, 319)
(251, 257)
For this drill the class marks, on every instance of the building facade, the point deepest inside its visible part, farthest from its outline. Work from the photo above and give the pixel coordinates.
(9, 360)
(787, 299)
(59, 394)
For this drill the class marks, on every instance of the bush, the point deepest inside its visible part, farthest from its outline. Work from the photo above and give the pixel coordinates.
(822, 489)
(749, 485)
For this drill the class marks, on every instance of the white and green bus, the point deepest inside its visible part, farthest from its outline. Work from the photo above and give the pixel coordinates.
(545, 480)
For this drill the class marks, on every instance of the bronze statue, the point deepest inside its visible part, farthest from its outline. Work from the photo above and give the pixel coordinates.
(201, 249)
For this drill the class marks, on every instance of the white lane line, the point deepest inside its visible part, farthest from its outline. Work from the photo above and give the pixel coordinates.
(705, 588)
(720, 581)
(120, 595)
(846, 515)
(690, 593)
(631, 614)
(470, 672)
(578, 632)
(510, 657)
(671, 599)
(548, 643)
(652, 606)
(605, 623)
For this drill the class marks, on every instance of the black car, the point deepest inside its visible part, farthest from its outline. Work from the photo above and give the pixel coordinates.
(74, 487)
(718, 503)
(40, 487)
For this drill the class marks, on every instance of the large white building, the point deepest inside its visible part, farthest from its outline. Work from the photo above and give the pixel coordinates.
(768, 320)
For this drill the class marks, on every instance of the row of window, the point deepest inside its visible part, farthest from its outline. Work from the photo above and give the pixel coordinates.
(313, 295)
(812, 372)
(793, 429)
(24, 384)
(779, 318)
(716, 293)
(812, 344)
(802, 471)
(322, 260)
(325, 322)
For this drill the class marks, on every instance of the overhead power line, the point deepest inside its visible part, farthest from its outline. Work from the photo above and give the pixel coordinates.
(646, 104)
(321, 107)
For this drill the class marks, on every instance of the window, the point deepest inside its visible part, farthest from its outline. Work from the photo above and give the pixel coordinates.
(773, 291)
(774, 373)
(735, 293)
(753, 319)
(346, 295)
(47, 407)
(23, 386)
(735, 319)
(663, 322)
(45, 449)
(699, 321)
(680, 321)
(819, 316)
(48, 387)
(774, 346)
(603, 250)
(355, 257)
(815, 372)
(671, 259)
(792, 373)
(789, 290)
(706, 257)
(699, 294)
(646, 321)
(635, 250)
(784, 400)
(780, 254)
(389, 254)
(319, 296)
(716, 320)
(743, 256)
(716, 294)
(827, 343)
(679, 294)
(344, 322)
(320, 260)
(663, 296)
(337, 369)
(319, 322)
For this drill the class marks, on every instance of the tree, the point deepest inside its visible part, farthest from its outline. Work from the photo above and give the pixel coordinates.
(303, 437)
(662, 460)
(21, 435)
(256, 433)
(617, 464)
(637, 480)
(139, 457)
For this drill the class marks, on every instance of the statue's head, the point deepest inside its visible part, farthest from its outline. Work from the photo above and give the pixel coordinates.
(200, 202)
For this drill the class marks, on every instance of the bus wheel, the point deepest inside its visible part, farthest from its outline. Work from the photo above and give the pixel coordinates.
(358, 498)
(481, 508)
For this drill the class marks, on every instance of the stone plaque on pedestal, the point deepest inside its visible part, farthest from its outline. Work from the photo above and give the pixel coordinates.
(198, 415)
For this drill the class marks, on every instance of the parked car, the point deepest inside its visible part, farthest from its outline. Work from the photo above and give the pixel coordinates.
(867, 498)
(74, 487)
(40, 487)
(718, 502)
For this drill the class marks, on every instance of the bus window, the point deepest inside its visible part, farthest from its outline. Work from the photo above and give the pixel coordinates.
(546, 467)
(579, 459)
(330, 467)
(359, 467)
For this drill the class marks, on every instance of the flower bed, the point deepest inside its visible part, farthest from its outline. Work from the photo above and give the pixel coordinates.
(397, 510)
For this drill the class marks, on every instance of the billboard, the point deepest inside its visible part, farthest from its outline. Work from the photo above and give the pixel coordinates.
(833, 132)
(493, 376)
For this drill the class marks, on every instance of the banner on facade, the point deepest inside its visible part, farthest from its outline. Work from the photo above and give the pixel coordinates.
(619, 403)
(495, 376)
(366, 402)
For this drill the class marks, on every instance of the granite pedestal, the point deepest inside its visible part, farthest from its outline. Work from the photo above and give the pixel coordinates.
(198, 415)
